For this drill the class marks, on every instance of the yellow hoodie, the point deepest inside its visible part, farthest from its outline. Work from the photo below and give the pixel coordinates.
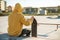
(16, 21)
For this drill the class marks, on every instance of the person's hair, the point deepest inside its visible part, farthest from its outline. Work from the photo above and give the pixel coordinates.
(18, 8)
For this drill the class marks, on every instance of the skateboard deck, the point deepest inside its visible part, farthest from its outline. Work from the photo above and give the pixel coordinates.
(34, 28)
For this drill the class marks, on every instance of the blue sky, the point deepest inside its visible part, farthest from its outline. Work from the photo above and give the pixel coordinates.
(34, 3)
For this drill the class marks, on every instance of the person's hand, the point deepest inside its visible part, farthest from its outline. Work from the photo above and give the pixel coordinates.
(32, 17)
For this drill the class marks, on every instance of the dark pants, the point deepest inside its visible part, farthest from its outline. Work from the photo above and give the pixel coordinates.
(25, 32)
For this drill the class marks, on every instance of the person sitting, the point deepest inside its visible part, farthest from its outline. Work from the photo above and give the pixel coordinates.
(16, 21)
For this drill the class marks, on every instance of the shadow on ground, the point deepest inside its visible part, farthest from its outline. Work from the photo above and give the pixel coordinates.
(5, 36)
(46, 34)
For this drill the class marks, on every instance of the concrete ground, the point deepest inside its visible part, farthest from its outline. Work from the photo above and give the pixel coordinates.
(44, 32)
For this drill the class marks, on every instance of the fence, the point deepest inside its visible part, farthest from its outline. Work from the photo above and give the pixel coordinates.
(34, 34)
(49, 24)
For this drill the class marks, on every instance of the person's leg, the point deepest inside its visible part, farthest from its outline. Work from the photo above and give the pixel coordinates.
(28, 33)
(25, 32)
(22, 33)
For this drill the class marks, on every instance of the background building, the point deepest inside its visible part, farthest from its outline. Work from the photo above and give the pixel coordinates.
(51, 10)
(2, 5)
(43, 11)
(30, 10)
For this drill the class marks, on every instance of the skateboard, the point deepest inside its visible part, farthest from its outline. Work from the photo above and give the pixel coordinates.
(34, 28)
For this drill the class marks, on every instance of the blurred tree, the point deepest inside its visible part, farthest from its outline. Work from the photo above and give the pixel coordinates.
(58, 9)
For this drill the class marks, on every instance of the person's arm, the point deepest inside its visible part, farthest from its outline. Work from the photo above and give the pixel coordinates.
(25, 22)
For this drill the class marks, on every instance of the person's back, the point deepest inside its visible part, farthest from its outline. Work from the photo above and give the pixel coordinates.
(14, 24)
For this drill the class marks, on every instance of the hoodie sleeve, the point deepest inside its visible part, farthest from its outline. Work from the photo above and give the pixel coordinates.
(24, 21)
